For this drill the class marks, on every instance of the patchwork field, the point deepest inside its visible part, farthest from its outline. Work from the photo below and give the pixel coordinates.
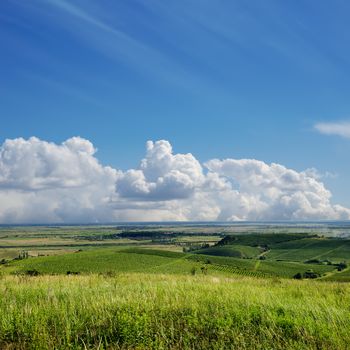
(109, 249)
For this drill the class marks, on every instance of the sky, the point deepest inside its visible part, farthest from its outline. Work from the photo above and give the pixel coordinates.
(174, 110)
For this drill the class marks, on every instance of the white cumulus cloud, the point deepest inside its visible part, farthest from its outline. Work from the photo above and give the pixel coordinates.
(47, 182)
(162, 175)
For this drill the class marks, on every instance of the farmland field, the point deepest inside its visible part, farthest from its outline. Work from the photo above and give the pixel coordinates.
(174, 287)
(143, 248)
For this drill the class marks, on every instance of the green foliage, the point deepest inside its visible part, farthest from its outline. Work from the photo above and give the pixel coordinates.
(32, 272)
(313, 261)
(148, 234)
(342, 266)
(298, 276)
(310, 274)
(23, 255)
(193, 247)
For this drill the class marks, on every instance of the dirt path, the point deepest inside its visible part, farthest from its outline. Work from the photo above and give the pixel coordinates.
(334, 272)
(329, 251)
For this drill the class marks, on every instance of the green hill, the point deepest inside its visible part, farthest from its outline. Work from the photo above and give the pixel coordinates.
(106, 260)
(237, 251)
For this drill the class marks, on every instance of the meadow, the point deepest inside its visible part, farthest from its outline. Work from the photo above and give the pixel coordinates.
(161, 311)
(174, 287)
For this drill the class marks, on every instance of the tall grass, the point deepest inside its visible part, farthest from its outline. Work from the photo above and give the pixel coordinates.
(147, 311)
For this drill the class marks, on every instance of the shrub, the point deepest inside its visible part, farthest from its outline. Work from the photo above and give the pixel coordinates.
(341, 266)
(33, 272)
(298, 276)
(310, 274)
(313, 261)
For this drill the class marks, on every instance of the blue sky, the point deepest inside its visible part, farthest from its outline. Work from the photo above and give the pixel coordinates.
(219, 79)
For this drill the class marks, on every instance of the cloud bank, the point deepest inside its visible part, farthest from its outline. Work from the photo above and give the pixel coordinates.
(43, 182)
(338, 128)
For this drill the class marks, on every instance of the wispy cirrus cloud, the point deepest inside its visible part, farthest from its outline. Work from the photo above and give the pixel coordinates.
(341, 128)
(109, 38)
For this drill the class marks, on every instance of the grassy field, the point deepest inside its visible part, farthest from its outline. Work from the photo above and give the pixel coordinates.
(173, 288)
(145, 311)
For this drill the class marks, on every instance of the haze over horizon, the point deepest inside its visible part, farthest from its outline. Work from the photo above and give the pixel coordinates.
(242, 107)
